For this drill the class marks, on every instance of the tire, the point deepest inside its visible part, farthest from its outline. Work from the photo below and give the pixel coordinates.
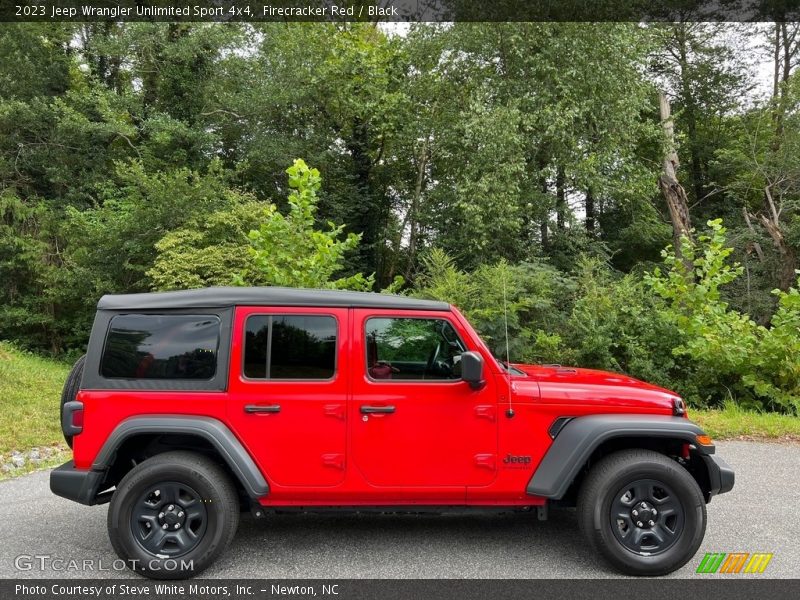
(70, 391)
(616, 487)
(174, 488)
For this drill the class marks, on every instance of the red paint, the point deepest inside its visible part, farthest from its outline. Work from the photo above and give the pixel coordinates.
(445, 444)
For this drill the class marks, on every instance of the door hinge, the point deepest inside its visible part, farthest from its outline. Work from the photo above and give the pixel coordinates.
(335, 410)
(485, 411)
(333, 460)
(486, 461)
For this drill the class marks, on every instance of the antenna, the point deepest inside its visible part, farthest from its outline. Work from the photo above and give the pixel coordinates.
(509, 411)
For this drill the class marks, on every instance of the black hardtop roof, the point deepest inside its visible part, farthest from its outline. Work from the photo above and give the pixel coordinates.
(220, 297)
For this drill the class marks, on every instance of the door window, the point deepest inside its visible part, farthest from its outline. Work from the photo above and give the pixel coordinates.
(290, 347)
(412, 349)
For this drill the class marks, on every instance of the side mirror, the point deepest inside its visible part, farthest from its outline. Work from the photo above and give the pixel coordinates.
(472, 370)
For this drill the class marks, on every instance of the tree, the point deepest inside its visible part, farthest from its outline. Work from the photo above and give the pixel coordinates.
(288, 250)
(538, 127)
(252, 243)
(701, 67)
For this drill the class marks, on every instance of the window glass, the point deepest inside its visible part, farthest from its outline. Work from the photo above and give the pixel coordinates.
(161, 347)
(290, 347)
(407, 348)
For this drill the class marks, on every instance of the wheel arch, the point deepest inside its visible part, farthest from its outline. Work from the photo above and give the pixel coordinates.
(139, 438)
(584, 440)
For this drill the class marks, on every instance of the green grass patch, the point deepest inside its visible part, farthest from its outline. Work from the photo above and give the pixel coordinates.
(733, 422)
(30, 389)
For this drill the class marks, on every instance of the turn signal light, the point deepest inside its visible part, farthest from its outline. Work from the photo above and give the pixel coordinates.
(704, 440)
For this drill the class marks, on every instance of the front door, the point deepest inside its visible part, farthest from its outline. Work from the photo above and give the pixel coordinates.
(288, 392)
(415, 424)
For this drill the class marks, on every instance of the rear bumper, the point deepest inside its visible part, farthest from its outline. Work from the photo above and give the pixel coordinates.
(76, 484)
(720, 475)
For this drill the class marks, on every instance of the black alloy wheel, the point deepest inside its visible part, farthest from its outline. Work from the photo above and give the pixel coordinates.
(647, 517)
(173, 515)
(169, 519)
(642, 511)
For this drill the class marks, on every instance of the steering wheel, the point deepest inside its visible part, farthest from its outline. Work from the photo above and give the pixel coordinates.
(437, 366)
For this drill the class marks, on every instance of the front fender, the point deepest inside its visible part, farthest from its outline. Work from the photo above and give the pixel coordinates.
(581, 436)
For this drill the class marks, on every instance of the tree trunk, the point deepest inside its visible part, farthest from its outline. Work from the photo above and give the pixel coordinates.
(544, 227)
(690, 115)
(590, 222)
(561, 199)
(787, 275)
(673, 191)
(754, 245)
(419, 187)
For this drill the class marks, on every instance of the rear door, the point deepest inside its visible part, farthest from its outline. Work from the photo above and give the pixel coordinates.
(288, 392)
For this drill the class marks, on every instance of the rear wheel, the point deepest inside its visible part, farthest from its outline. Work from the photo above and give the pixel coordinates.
(643, 512)
(172, 515)
(70, 391)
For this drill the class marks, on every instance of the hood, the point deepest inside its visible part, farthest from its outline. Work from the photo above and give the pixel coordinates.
(571, 385)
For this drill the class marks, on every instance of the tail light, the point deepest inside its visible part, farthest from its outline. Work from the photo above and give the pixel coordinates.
(77, 419)
(72, 418)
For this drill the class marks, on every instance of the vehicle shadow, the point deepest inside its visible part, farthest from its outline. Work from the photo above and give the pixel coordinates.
(480, 544)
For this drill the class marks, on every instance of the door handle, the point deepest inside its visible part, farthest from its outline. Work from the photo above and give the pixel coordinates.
(371, 410)
(262, 408)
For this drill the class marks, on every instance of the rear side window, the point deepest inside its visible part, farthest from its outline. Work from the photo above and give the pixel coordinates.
(161, 347)
(290, 347)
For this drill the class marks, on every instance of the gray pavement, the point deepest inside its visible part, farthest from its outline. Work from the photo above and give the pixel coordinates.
(761, 514)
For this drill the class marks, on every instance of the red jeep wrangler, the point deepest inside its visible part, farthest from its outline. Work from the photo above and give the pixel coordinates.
(192, 406)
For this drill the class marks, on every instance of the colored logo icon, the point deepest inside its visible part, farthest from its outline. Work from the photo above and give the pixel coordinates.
(734, 562)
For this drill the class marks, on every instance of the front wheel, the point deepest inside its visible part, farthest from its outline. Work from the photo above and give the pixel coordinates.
(172, 515)
(642, 511)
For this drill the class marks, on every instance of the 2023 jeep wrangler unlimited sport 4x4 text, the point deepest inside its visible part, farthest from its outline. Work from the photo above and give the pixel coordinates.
(192, 406)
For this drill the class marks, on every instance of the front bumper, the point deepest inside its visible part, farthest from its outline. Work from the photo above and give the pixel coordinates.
(76, 484)
(720, 475)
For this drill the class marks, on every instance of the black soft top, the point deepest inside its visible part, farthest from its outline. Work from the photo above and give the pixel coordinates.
(220, 297)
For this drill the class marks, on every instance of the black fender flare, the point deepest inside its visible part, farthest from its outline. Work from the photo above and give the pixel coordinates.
(581, 436)
(212, 430)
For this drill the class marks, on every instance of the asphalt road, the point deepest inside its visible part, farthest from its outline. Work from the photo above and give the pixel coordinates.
(761, 514)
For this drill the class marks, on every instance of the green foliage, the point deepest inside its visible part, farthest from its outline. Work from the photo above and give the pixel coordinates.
(510, 168)
(730, 355)
(616, 324)
(672, 327)
(114, 244)
(208, 251)
(27, 274)
(251, 243)
(288, 251)
(527, 297)
(774, 374)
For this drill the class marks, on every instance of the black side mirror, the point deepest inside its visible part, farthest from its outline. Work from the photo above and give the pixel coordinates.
(472, 369)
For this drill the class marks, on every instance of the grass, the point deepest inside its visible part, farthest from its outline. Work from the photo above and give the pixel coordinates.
(30, 392)
(732, 422)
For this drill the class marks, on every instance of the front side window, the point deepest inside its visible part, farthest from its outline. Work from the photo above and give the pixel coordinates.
(290, 347)
(409, 348)
(161, 347)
